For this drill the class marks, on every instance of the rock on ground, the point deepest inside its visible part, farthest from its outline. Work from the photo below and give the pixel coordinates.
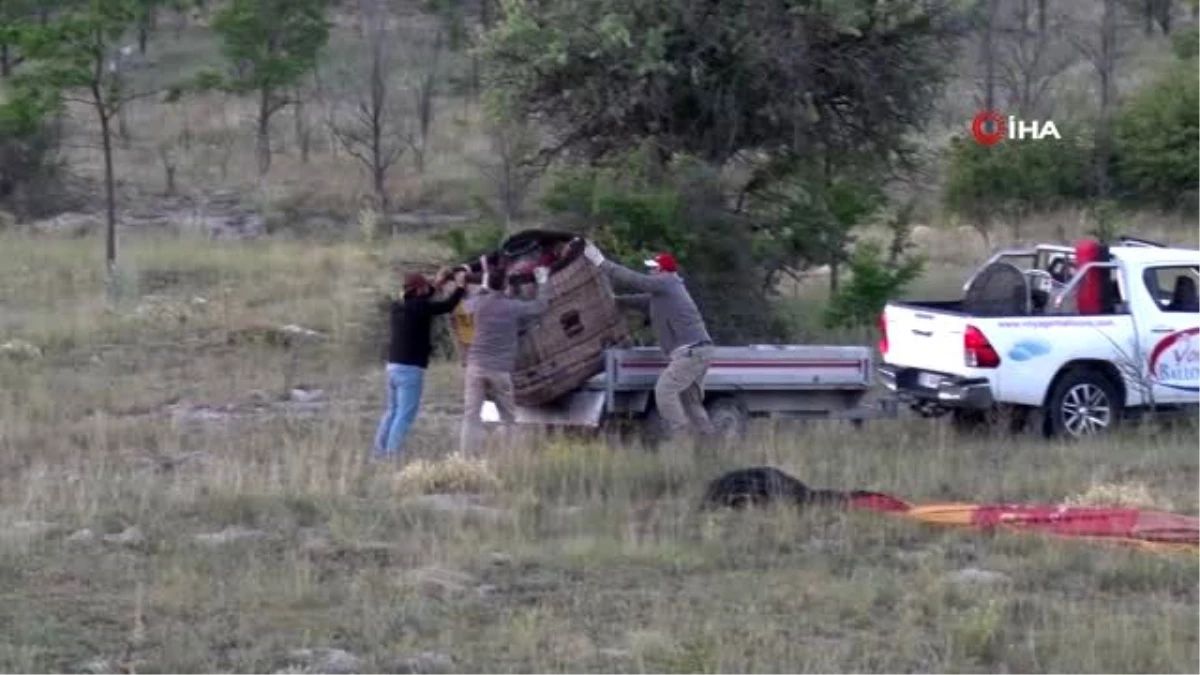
(229, 535)
(131, 536)
(425, 662)
(327, 660)
(439, 582)
(976, 576)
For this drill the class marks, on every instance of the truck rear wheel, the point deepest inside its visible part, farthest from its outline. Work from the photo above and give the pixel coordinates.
(1083, 403)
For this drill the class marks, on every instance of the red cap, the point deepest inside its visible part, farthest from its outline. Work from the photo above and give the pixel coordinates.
(663, 261)
(415, 281)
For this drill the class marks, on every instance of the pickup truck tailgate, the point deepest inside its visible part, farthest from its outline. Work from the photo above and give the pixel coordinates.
(924, 338)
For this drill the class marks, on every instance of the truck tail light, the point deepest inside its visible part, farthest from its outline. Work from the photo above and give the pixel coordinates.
(883, 340)
(978, 352)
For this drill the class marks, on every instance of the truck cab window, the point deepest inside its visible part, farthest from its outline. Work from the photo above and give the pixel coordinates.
(1174, 288)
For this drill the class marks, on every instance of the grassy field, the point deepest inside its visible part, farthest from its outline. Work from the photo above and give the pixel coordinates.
(183, 485)
(183, 488)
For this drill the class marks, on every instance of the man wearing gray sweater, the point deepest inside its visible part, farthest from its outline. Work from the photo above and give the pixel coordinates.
(498, 318)
(681, 333)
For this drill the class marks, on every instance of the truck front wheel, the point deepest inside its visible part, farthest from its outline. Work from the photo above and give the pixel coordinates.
(1083, 403)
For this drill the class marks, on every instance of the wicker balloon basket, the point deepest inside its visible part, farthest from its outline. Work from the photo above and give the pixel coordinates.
(563, 348)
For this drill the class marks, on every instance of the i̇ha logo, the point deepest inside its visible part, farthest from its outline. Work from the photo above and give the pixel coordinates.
(990, 127)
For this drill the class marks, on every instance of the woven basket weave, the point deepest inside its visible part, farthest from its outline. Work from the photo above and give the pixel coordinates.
(562, 349)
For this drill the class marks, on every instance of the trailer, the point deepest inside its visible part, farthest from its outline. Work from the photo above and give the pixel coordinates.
(755, 381)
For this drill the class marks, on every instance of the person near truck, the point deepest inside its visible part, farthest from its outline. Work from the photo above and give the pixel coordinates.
(408, 355)
(681, 333)
(497, 318)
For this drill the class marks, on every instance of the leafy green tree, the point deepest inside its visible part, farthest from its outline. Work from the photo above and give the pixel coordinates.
(29, 140)
(13, 15)
(873, 281)
(632, 215)
(1186, 43)
(1013, 180)
(70, 61)
(1157, 136)
(270, 45)
(713, 79)
(811, 213)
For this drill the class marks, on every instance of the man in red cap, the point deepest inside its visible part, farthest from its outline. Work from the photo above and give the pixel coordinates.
(408, 355)
(679, 392)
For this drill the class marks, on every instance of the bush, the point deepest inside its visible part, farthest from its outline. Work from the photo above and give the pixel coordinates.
(1156, 136)
(873, 281)
(30, 170)
(632, 216)
(1184, 42)
(1014, 179)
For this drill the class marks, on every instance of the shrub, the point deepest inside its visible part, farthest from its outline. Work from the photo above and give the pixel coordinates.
(631, 216)
(30, 170)
(1156, 136)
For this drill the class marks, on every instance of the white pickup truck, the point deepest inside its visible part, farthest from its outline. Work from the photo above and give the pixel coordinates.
(1084, 335)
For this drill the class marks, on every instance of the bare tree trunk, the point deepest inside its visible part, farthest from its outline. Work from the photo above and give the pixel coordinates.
(110, 191)
(168, 163)
(1106, 69)
(264, 131)
(989, 60)
(1041, 16)
(1164, 16)
(379, 159)
(425, 102)
(5, 61)
(303, 135)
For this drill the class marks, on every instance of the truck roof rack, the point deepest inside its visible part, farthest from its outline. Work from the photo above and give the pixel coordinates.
(1137, 241)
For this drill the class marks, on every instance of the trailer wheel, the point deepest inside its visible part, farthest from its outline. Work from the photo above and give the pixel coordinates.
(729, 417)
(1084, 403)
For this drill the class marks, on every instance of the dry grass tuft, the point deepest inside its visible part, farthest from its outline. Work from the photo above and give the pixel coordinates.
(455, 473)
(1135, 495)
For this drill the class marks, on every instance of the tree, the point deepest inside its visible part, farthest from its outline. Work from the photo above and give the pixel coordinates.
(631, 215)
(71, 60)
(270, 45)
(368, 121)
(1156, 139)
(13, 13)
(610, 75)
(146, 19)
(1011, 180)
(1101, 46)
(29, 141)
(1031, 57)
(811, 214)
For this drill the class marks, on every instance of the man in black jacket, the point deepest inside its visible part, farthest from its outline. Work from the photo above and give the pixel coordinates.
(408, 355)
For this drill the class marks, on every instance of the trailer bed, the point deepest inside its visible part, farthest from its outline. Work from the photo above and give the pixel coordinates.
(769, 367)
(762, 380)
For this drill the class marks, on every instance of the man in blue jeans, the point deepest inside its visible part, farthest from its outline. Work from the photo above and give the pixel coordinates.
(408, 356)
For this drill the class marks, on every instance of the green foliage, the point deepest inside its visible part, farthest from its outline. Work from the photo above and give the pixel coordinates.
(1156, 138)
(631, 215)
(809, 215)
(608, 75)
(1014, 178)
(72, 51)
(29, 140)
(1186, 42)
(271, 43)
(873, 281)
(1107, 219)
(470, 243)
